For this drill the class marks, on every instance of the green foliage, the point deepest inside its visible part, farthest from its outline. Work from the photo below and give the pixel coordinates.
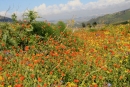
(14, 17)
(89, 25)
(29, 34)
(83, 25)
(31, 16)
(92, 30)
(94, 24)
(61, 26)
(42, 29)
(124, 22)
(112, 18)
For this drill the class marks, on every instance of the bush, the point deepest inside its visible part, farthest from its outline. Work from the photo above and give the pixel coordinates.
(83, 25)
(61, 26)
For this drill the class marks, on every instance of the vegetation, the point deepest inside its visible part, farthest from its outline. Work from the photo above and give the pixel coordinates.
(41, 54)
(14, 17)
(89, 25)
(118, 17)
(83, 25)
(94, 24)
(31, 16)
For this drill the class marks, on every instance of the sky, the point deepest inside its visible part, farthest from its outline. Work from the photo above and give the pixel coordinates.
(62, 9)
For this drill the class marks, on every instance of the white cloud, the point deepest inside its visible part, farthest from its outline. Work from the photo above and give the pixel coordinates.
(75, 5)
(55, 9)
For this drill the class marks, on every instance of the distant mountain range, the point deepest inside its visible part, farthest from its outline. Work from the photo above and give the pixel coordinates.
(5, 19)
(117, 17)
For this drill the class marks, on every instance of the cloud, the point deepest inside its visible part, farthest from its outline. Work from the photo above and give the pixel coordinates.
(78, 8)
(55, 9)
(74, 5)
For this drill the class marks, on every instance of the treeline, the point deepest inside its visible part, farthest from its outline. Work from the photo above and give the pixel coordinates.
(94, 24)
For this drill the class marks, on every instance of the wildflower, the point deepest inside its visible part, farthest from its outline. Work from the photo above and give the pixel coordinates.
(70, 84)
(51, 72)
(22, 78)
(1, 78)
(26, 48)
(1, 86)
(18, 85)
(32, 75)
(9, 86)
(45, 85)
(1, 68)
(1, 58)
(93, 77)
(121, 77)
(109, 85)
(94, 85)
(39, 79)
(76, 80)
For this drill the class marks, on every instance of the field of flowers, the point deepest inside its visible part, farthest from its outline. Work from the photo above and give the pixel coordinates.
(83, 58)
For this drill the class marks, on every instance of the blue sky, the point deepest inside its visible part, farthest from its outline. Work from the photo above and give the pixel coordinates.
(63, 9)
(24, 4)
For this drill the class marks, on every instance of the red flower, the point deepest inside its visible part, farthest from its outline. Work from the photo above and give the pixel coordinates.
(76, 80)
(39, 79)
(26, 48)
(1, 68)
(18, 85)
(22, 78)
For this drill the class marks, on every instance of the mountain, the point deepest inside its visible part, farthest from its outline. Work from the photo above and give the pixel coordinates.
(5, 19)
(114, 18)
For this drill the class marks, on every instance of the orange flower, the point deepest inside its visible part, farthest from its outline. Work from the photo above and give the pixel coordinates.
(1, 58)
(22, 78)
(76, 80)
(51, 72)
(32, 75)
(38, 86)
(62, 74)
(45, 85)
(26, 48)
(16, 80)
(18, 85)
(95, 85)
(121, 77)
(93, 77)
(87, 73)
(39, 79)
(100, 77)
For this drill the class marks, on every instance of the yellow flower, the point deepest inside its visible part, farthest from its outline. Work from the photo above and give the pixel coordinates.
(107, 32)
(9, 86)
(1, 78)
(71, 84)
(1, 86)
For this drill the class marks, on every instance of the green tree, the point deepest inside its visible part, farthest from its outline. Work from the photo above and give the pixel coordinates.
(14, 17)
(89, 25)
(31, 15)
(83, 25)
(94, 24)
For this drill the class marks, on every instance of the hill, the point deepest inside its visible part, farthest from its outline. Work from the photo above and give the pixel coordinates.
(112, 18)
(5, 19)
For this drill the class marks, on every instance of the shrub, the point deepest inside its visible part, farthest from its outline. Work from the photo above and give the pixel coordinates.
(61, 26)
(83, 25)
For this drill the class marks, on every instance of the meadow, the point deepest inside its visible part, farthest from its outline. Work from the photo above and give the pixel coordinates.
(47, 55)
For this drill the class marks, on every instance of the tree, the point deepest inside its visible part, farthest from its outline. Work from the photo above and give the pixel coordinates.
(31, 15)
(89, 25)
(83, 25)
(94, 24)
(14, 17)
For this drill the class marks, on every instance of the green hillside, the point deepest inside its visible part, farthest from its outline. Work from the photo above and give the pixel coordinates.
(112, 18)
